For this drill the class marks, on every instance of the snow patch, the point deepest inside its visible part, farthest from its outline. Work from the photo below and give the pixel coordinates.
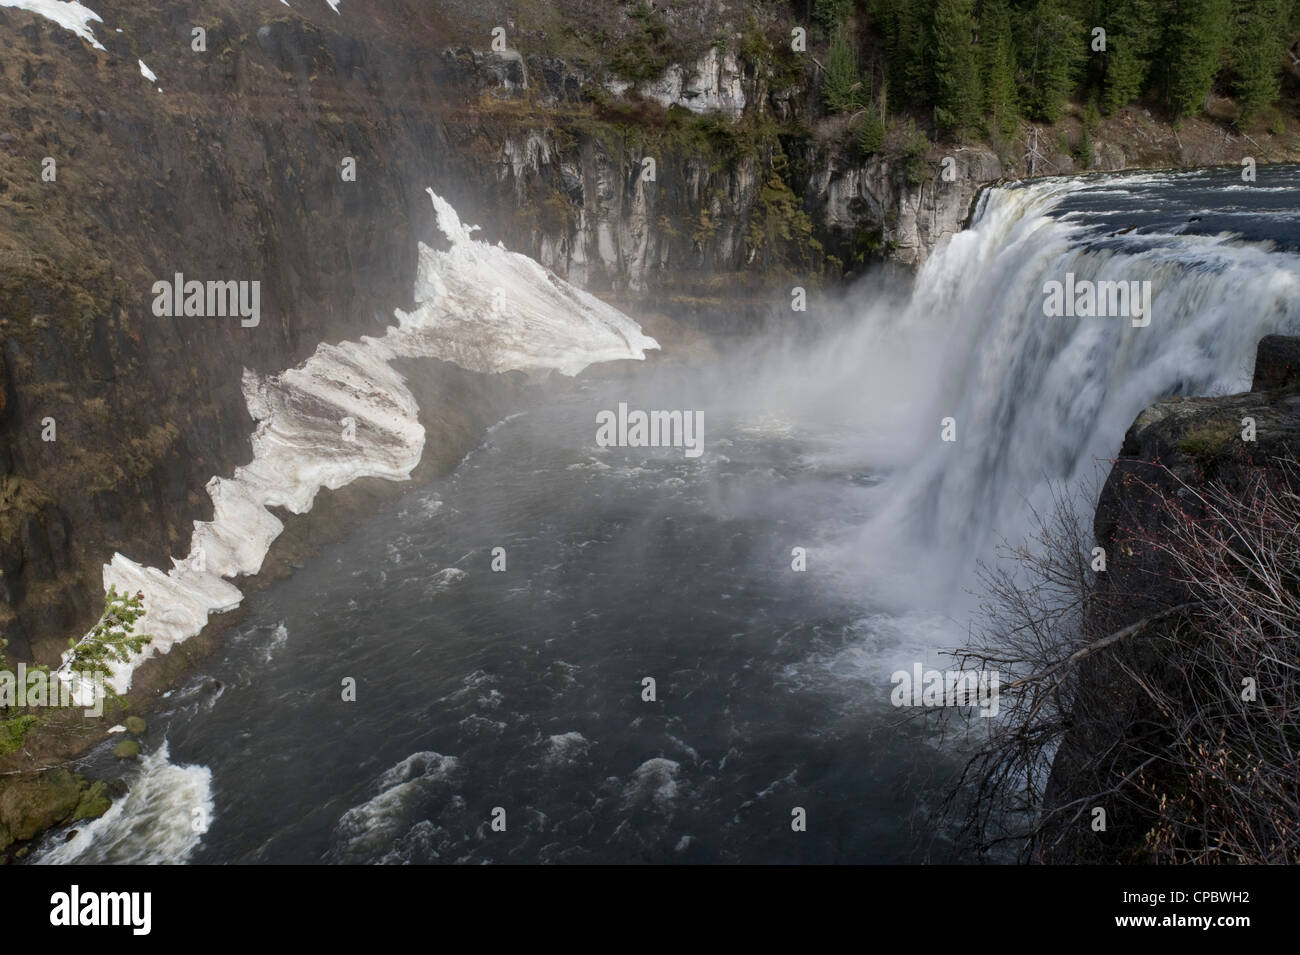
(491, 310)
(479, 306)
(334, 5)
(69, 15)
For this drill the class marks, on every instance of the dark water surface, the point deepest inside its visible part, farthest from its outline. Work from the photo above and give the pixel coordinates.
(523, 689)
(1204, 202)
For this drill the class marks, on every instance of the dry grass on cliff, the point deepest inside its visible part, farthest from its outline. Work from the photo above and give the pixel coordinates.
(1183, 725)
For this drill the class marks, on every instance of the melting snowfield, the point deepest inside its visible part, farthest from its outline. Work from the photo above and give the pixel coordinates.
(345, 413)
(71, 16)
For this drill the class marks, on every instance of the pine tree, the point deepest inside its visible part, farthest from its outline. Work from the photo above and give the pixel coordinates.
(1053, 44)
(113, 640)
(1085, 152)
(958, 93)
(1196, 35)
(831, 14)
(998, 68)
(871, 132)
(1262, 30)
(906, 30)
(842, 84)
(1132, 32)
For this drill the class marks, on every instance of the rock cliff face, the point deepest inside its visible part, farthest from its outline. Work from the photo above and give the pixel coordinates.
(1195, 441)
(1174, 448)
(115, 418)
(230, 165)
(739, 178)
(913, 215)
(715, 83)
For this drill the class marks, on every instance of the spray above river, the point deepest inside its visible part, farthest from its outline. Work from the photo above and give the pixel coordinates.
(500, 624)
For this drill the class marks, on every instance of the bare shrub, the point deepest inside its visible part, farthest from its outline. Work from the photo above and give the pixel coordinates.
(1151, 720)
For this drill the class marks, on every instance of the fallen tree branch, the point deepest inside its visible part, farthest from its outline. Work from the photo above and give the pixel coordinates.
(1118, 635)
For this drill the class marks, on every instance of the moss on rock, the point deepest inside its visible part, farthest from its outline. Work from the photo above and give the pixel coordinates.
(94, 802)
(127, 749)
(1209, 441)
(31, 804)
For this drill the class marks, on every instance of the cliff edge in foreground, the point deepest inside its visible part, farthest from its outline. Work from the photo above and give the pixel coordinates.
(1185, 733)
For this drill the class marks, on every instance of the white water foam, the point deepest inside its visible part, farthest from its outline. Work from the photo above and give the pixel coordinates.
(566, 748)
(374, 827)
(654, 784)
(1037, 400)
(172, 804)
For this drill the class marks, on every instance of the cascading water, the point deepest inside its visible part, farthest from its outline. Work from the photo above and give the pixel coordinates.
(1036, 399)
(523, 688)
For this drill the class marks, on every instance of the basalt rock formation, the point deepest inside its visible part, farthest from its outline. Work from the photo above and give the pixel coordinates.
(1174, 450)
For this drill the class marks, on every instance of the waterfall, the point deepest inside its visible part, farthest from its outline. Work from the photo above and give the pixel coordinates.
(1036, 399)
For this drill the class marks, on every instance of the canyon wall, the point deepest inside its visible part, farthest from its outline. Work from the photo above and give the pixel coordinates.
(294, 149)
(230, 165)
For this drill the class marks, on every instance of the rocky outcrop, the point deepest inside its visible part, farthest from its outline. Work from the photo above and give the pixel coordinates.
(1277, 364)
(715, 83)
(1194, 441)
(611, 227)
(604, 226)
(1174, 448)
(907, 215)
(33, 804)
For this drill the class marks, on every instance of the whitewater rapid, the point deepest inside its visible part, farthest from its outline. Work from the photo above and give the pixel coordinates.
(172, 803)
